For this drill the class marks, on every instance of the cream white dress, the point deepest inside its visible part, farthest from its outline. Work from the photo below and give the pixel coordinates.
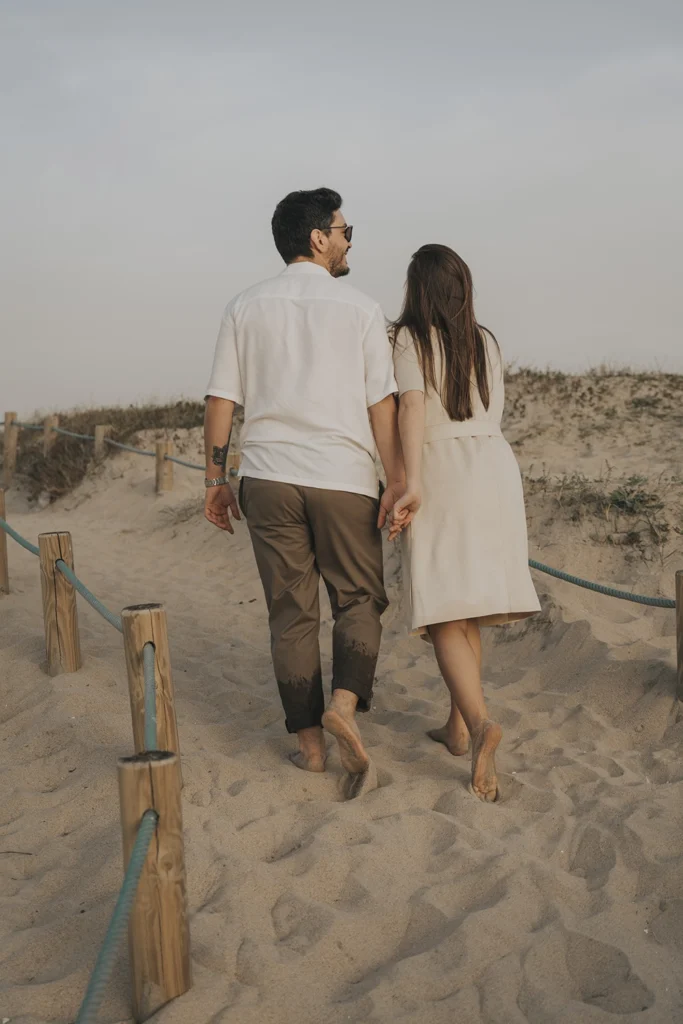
(465, 555)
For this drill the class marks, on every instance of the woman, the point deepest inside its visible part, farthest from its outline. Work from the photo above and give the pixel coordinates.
(465, 553)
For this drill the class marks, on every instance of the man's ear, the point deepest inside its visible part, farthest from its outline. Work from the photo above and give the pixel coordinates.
(317, 240)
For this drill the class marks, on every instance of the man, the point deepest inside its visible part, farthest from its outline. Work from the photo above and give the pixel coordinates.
(308, 358)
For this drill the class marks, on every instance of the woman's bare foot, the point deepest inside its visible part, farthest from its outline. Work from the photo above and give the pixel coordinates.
(456, 743)
(308, 763)
(484, 745)
(340, 721)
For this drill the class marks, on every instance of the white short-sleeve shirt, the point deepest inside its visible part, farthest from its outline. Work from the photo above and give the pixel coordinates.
(306, 355)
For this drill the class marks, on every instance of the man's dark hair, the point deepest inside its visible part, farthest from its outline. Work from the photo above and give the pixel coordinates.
(297, 215)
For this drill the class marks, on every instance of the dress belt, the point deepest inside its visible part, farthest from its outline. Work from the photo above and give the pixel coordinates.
(462, 428)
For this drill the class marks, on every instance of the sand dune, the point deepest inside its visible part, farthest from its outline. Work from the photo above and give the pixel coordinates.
(563, 903)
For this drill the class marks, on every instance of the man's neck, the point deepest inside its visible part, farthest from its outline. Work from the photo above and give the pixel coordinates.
(311, 259)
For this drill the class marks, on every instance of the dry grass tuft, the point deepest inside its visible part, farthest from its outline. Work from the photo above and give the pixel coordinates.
(626, 512)
(69, 459)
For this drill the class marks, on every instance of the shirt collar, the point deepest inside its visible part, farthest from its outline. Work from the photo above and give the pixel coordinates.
(305, 267)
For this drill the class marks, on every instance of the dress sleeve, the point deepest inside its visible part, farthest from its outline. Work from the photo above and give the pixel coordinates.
(379, 369)
(406, 365)
(226, 379)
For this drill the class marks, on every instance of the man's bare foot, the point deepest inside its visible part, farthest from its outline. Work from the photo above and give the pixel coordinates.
(484, 745)
(308, 763)
(311, 755)
(456, 744)
(339, 720)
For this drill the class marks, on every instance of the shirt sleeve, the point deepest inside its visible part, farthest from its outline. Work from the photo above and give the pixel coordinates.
(406, 365)
(379, 368)
(226, 379)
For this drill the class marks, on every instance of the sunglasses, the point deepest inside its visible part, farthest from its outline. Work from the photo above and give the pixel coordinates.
(346, 228)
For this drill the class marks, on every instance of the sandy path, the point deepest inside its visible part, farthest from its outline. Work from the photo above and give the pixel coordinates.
(415, 904)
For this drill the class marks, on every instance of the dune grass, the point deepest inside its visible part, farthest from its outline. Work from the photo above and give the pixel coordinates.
(630, 511)
(69, 459)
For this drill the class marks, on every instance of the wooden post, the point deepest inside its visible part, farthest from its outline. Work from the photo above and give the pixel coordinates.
(146, 623)
(62, 642)
(164, 467)
(679, 633)
(10, 447)
(101, 431)
(158, 932)
(4, 564)
(49, 436)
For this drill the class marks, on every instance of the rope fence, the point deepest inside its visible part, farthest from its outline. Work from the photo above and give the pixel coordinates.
(151, 903)
(163, 453)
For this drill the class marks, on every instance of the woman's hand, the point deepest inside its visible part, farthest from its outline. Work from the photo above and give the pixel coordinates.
(404, 511)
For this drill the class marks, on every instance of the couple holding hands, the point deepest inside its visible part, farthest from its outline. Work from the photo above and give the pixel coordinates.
(311, 361)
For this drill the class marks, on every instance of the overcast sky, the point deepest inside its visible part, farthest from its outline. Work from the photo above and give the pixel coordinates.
(144, 146)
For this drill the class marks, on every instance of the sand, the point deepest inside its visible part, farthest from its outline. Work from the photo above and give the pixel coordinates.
(416, 903)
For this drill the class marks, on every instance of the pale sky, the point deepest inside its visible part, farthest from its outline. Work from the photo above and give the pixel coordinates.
(144, 146)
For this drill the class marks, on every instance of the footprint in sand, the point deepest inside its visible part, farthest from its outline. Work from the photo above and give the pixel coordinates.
(592, 857)
(298, 924)
(604, 977)
(583, 971)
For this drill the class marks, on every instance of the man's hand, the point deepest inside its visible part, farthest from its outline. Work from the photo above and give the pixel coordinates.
(220, 502)
(404, 511)
(392, 493)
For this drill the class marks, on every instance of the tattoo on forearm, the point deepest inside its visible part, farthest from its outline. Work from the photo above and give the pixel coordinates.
(220, 455)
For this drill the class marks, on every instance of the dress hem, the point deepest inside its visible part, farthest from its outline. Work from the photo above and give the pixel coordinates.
(496, 619)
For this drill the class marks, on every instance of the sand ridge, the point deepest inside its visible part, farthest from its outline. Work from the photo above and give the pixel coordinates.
(417, 903)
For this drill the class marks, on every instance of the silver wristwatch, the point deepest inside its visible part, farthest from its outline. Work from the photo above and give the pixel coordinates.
(217, 481)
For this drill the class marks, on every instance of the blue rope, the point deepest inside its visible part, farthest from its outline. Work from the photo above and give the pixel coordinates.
(182, 462)
(128, 447)
(119, 921)
(195, 465)
(114, 620)
(91, 437)
(148, 653)
(656, 602)
(70, 433)
(18, 538)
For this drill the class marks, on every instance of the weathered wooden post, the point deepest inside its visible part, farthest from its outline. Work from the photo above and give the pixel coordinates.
(49, 435)
(62, 642)
(164, 467)
(146, 623)
(679, 633)
(10, 447)
(4, 563)
(158, 933)
(101, 431)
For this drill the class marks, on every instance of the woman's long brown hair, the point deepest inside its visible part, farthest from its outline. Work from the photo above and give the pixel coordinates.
(439, 296)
